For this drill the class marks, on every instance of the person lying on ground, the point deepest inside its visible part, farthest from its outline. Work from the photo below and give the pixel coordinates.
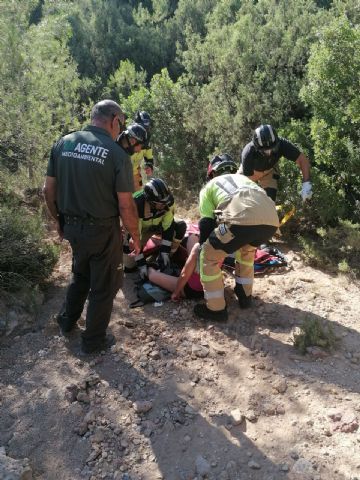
(188, 284)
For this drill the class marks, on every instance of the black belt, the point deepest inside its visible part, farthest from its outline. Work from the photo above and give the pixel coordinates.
(73, 220)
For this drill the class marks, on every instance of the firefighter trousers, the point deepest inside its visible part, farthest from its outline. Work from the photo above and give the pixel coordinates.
(224, 240)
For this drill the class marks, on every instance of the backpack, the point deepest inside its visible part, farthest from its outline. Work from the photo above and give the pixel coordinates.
(148, 292)
(266, 258)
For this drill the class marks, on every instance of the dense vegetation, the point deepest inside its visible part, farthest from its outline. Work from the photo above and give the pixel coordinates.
(208, 71)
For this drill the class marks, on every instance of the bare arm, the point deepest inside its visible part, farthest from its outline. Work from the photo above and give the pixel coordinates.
(50, 191)
(129, 217)
(186, 272)
(304, 164)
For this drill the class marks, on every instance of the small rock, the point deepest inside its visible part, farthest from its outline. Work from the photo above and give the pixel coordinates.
(155, 355)
(236, 416)
(14, 469)
(142, 406)
(301, 470)
(317, 352)
(71, 392)
(280, 385)
(231, 469)
(93, 455)
(254, 465)
(202, 466)
(82, 429)
(83, 397)
(127, 322)
(294, 455)
(269, 409)
(250, 415)
(199, 351)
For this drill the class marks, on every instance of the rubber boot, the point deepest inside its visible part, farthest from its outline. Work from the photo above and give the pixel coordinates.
(244, 300)
(202, 311)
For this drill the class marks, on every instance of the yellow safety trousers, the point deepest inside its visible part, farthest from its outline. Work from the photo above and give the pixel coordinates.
(244, 268)
(211, 274)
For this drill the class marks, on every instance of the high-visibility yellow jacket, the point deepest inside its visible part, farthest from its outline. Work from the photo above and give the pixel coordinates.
(145, 155)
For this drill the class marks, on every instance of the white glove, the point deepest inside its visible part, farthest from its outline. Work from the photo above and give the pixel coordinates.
(143, 272)
(306, 191)
(164, 260)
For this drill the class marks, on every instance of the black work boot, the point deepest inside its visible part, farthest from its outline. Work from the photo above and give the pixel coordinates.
(202, 311)
(104, 344)
(245, 301)
(65, 323)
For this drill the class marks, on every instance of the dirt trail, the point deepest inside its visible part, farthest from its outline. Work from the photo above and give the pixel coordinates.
(177, 399)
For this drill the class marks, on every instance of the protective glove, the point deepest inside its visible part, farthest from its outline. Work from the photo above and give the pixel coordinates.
(143, 272)
(306, 191)
(163, 260)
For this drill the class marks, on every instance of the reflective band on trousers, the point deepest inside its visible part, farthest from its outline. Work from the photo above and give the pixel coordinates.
(215, 294)
(207, 278)
(166, 243)
(244, 280)
(242, 262)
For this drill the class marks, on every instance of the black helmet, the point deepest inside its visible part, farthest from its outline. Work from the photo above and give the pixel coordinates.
(265, 138)
(143, 118)
(221, 164)
(137, 131)
(156, 190)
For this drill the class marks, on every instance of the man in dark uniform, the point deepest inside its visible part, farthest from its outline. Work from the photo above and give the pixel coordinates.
(259, 160)
(88, 185)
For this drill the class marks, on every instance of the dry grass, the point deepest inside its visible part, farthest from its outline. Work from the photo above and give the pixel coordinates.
(187, 211)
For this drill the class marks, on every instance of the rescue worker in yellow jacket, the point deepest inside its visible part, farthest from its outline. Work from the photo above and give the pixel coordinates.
(236, 216)
(132, 140)
(142, 158)
(156, 210)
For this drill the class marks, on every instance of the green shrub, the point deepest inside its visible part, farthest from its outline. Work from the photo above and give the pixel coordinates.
(334, 248)
(314, 333)
(25, 258)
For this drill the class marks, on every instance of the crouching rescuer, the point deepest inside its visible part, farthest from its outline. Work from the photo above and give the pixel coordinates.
(236, 216)
(156, 209)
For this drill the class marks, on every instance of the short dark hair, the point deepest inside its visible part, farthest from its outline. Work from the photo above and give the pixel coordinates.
(105, 110)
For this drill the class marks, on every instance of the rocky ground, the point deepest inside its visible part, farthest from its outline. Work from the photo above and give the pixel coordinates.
(179, 399)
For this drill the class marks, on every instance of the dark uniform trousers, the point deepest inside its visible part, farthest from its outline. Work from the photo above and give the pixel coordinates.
(97, 274)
